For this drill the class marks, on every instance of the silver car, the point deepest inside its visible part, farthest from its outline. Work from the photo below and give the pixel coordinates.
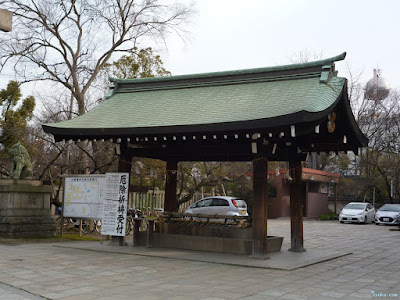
(219, 205)
(357, 212)
(388, 214)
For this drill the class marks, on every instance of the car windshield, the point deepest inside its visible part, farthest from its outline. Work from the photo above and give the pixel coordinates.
(388, 207)
(355, 206)
(240, 203)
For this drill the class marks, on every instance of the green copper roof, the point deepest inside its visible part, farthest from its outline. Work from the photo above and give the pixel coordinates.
(210, 104)
(218, 102)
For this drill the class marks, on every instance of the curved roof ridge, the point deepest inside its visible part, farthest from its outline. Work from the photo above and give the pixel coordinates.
(298, 66)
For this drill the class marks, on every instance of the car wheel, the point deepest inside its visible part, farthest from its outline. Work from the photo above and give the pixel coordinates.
(365, 220)
(341, 222)
(376, 223)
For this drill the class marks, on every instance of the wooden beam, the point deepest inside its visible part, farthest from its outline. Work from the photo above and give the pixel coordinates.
(296, 208)
(170, 186)
(260, 171)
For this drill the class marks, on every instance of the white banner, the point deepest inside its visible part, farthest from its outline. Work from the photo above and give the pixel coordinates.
(115, 204)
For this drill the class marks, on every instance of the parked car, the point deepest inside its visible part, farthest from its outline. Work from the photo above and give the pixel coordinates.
(219, 205)
(357, 212)
(388, 214)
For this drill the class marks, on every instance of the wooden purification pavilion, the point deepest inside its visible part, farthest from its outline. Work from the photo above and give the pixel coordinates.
(277, 113)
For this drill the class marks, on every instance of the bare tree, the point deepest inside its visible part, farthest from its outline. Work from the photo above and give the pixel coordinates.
(69, 42)
(305, 56)
(379, 164)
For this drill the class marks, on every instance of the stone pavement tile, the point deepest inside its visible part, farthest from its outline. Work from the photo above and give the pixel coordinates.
(169, 286)
(333, 294)
(327, 285)
(81, 297)
(20, 283)
(308, 291)
(231, 295)
(182, 298)
(360, 295)
(272, 292)
(64, 267)
(71, 292)
(387, 283)
(27, 276)
(365, 280)
(293, 297)
(252, 289)
(11, 293)
(11, 296)
(260, 297)
(341, 279)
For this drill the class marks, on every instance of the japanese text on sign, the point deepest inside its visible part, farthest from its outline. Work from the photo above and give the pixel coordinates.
(115, 204)
(83, 196)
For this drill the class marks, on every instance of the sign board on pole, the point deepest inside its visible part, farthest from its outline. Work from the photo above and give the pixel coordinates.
(83, 196)
(115, 204)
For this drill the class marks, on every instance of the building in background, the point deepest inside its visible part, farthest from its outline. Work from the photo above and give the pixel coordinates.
(317, 187)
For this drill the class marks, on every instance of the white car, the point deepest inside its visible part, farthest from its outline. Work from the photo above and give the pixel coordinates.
(219, 205)
(388, 214)
(357, 212)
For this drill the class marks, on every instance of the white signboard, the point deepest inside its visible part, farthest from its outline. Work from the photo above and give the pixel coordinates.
(83, 196)
(115, 204)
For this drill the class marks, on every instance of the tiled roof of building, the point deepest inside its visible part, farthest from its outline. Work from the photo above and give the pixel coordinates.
(212, 102)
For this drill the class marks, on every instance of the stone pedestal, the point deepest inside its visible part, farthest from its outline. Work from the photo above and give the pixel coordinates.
(218, 238)
(25, 209)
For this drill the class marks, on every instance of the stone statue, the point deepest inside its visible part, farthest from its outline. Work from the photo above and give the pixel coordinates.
(21, 167)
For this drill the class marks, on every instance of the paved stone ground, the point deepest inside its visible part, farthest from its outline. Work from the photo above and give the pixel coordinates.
(43, 271)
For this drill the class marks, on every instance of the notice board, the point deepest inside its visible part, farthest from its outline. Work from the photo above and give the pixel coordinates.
(115, 204)
(84, 196)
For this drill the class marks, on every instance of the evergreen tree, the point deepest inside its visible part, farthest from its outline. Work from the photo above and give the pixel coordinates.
(15, 114)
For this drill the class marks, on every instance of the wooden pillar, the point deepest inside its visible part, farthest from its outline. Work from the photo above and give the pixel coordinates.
(124, 165)
(306, 201)
(125, 162)
(170, 186)
(260, 172)
(335, 191)
(296, 209)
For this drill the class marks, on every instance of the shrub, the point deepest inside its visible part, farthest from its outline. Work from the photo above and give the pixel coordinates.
(329, 216)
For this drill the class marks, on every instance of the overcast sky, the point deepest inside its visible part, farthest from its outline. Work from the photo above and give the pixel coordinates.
(237, 34)
(233, 34)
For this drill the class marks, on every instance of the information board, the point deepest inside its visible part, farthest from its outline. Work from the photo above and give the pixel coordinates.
(83, 196)
(115, 204)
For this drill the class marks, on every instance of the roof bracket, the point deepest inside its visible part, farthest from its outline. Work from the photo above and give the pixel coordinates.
(112, 89)
(326, 74)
